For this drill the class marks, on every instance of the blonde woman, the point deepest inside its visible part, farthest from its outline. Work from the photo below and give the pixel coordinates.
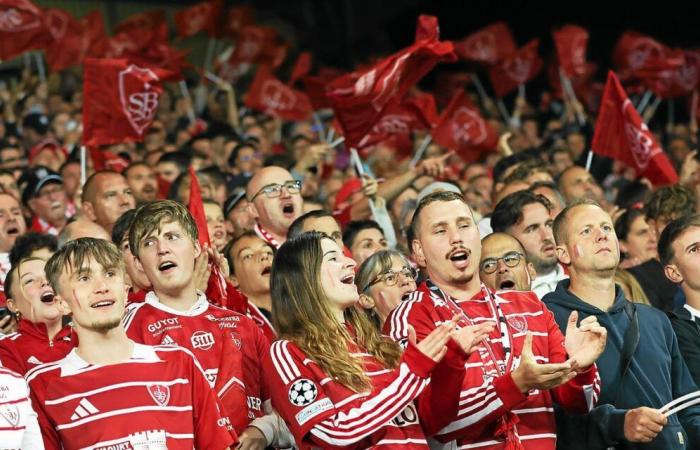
(335, 380)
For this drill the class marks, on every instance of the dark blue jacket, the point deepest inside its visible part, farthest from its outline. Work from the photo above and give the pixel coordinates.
(656, 376)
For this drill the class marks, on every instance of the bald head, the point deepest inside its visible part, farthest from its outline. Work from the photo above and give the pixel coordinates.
(277, 208)
(503, 265)
(106, 196)
(79, 229)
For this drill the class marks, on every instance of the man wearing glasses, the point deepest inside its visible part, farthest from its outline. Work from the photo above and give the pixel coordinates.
(275, 202)
(503, 265)
(526, 216)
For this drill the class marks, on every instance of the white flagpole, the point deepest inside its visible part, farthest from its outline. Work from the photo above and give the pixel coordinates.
(83, 165)
(421, 150)
(589, 160)
(186, 93)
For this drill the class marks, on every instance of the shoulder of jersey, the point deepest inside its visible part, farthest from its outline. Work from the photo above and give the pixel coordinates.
(10, 337)
(519, 297)
(131, 310)
(43, 369)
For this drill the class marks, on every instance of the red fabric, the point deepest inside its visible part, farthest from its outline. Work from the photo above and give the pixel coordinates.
(204, 16)
(255, 44)
(137, 35)
(427, 28)
(237, 18)
(149, 20)
(315, 89)
(582, 84)
(677, 74)
(571, 42)
(30, 346)
(301, 68)
(621, 134)
(21, 28)
(49, 144)
(425, 106)
(462, 129)
(517, 69)
(270, 95)
(634, 52)
(106, 160)
(346, 191)
(488, 45)
(120, 101)
(68, 45)
(359, 98)
(487, 398)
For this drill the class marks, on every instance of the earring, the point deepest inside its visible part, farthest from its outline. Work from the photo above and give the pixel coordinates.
(18, 316)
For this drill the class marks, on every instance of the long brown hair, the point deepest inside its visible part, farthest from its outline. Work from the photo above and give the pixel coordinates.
(301, 313)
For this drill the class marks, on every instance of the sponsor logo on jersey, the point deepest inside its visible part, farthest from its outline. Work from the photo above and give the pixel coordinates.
(163, 324)
(167, 340)
(159, 393)
(144, 440)
(213, 318)
(303, 392)
(84, 409)
(211, 375)
(202, 340)
(313, 410)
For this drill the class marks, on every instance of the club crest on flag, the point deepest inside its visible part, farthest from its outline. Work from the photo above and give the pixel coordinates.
(159, 393)
(275, 98)
(468, 127)
(394, 123)
(518, 69)
(483, 46)
(12, 20)
(642, 49)
(56, 23)
(138, 93)
(518, 323)
(641, 144)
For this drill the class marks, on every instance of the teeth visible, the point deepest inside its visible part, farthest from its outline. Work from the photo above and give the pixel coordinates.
(100, 304)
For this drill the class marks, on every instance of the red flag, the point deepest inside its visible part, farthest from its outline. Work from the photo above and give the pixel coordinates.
(137, 33)
(462, 128)
(270, 95)
(635, 51)
(204, 16)
(447, 84)
(571, 42)
(301, 68)
(621, 134)
(427, 28)
(359, 98)
(21, 28)
(488, 45)
(67, 46)
(678, 74)
(315, 89)
(237, 18)
(120, 101)
(517, 69)
(107, 160)
(149, 20)
(425, 107)
(581, 83)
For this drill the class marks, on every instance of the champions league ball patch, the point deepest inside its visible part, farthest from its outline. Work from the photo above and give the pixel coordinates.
(302, 392)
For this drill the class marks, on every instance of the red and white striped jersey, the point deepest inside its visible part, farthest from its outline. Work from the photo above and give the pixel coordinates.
(18, 421)
(229, 346)
(30, 346)
(322, 413)
(493, 411)
(157, 399)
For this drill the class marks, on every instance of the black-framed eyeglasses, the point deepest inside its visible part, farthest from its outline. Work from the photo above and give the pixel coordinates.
(391, 277)
(274, 190)
(510, 259)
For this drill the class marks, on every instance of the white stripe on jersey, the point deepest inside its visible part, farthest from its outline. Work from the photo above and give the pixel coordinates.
(283, 362)
(228, 385)
(532, 410)
(401, 441)
(121, 440)
(113, 387)
(119, 412)
(130, 313)
(522, 438)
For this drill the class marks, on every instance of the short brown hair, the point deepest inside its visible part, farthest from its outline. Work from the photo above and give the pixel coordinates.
(672, 232)
(151, 216)
(439, 196)
(559, 227)
(670, 202)
(229, 247)
(76, 253)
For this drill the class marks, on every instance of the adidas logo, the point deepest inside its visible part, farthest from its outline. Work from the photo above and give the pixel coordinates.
(84, 409)
(167, 340)
(33, 360)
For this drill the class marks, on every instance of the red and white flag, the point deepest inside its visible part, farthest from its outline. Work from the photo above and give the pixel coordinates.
(21, 28)
(621, 134)
(270, 95)
(462, 129)
(571, 42)
(517, 69)
(678, 75)
(205, 16)
(359, 98)
(488, 45)
(120, 100)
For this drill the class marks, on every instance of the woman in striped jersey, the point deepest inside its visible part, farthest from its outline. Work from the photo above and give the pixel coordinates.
(335, 380)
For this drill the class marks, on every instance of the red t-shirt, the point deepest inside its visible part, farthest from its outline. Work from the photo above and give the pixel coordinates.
(157, 399)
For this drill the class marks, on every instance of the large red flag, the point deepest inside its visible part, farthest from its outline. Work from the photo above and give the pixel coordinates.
(21, 28)
(487, 45)
(517, 69)
(270, 95)
(635, 51)
(678, 74)
(359, 98)
(571, 42)
(462, 129)
(205, 16)
(67, 45)
(621, 134)
(120, 100)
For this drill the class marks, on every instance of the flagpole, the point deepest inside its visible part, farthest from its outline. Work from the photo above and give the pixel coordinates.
(479, 87)
(83, 166)
(186, 93)
(589, 160)
(211, 45)
(421, 150)
(644, 101)
(331, 135)
(503, 110)
(521, 90)
(319, 128)
(568, 90)
(40, 66)
(651, 109)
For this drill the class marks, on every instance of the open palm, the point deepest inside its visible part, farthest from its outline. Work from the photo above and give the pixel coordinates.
(584, 342)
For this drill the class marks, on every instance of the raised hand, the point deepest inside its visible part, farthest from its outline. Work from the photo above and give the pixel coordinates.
(471, 336)
(434, 167)
(584, 342)
(531, 375)
(434, 345)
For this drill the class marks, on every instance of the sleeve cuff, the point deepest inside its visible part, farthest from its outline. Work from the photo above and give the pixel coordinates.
(508, 391)
(419, 363)
(617, 425)
(586, 377)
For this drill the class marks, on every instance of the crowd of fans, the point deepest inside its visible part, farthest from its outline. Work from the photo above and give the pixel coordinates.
(521, 301)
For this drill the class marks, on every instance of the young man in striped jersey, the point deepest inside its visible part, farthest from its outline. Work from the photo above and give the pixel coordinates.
(111, 392)
(525, 366)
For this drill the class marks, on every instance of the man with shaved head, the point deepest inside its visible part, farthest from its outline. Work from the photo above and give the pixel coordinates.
(81, 228)
(106, 196)
(275, 202)
(503, 265)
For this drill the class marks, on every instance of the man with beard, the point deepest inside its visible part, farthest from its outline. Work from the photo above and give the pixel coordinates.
(111, 391)
(526, 216)
(503, 265)
(106, 196)
(43, 194)
(524, 366)
(275, 201)
(142, 180)
(641, 369)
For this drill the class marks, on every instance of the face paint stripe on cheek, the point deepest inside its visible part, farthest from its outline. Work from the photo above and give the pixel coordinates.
(578, 250)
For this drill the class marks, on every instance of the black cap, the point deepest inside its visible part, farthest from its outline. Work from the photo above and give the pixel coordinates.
(232, 201)
(37, 178)
(37, 122)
